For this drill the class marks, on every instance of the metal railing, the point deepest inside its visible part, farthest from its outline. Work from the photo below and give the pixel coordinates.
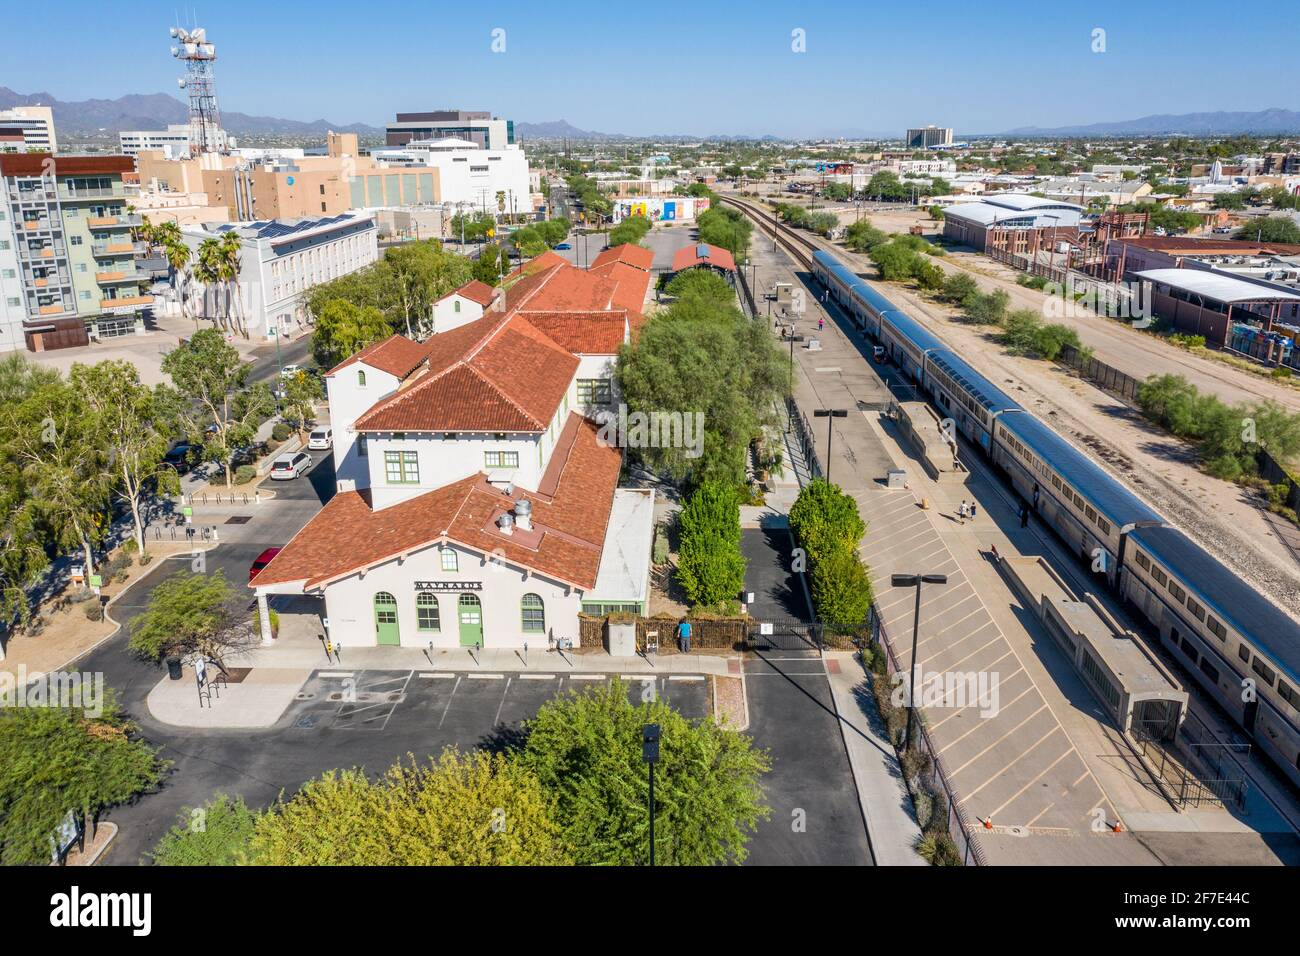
(1197, 770)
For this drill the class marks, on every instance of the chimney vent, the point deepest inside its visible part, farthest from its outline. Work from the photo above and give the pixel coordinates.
(524, 514)
(506, 524)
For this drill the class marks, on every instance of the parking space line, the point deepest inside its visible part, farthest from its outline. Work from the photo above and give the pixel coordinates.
(437, 675)
(643, 678)
(501, 706)
(486, 676)
(1068, 750)
(537, 677)
(449, 699)
(962, 710)
(586, 677)
(686, 677)
(1019, 757)
(335, 674)
(1031, 716)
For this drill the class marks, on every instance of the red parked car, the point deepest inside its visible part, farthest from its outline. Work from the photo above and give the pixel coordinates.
(261, 561)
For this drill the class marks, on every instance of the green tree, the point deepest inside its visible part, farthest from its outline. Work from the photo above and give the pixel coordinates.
(135, 424)
(343, 329)
(862, 236)
(1271, 229)
(957, 286)
(472, 810)
(302, 391)
(191, 613)
(218, 407)
(60, 760)
(421, 273)
(841, 589)
(823, 517)
(703, 283)
(491, 264)
(895, 261)
(585, 750)
(986, 308)
(710, 567)
(215, 834)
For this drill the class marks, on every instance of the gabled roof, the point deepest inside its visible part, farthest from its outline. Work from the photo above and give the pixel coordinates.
(630, 283)
(397, 355)
(475, 291)
(703, 254)
(499, 373)
(570, 516)
(628, 253)
(599, 333)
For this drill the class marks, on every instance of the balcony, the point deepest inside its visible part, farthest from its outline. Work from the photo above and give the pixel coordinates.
(55, 309)
(118, 276)
(131, 221)
(35, 225)
(123, 248)
(124, 303)
(31, 195)
(75, 195)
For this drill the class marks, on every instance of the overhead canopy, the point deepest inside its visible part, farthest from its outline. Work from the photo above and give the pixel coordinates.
(1215, 285)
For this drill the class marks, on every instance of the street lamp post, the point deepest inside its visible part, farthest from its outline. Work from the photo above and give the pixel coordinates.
(830, 414)
(650, 754)
(793, 339)
(910, 581)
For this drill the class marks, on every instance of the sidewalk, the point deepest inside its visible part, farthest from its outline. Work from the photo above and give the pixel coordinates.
(886, 804)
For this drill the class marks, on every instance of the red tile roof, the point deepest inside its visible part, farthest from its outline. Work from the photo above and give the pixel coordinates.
(498, 373)
(1210, 247)
(630, 283)
(687, 257)
(628, 253)
(396, 355)
(475, 291)
(570, 516)
(597, 333)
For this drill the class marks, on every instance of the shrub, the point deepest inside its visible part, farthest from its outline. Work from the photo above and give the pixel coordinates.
(215, 834)
(958, 286)
(924, 808)
(281, 431)
(986, 308)
(94, 611)
(711, 568)
(841, 589)
(244, 474)
(80, 595)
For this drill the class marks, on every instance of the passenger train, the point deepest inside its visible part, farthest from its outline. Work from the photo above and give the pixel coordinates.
(1243, 649)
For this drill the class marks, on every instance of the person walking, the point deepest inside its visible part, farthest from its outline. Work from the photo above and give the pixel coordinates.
(684, 636)
(1024, 515)
(961, 511)
(972, 511)
(1036, 493)
(820, 323)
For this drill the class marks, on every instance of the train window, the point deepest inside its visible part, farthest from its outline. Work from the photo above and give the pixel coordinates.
(1263, 670)
(1078, 501)
(1243, 652)
(1057, 482)
(1177, 592)
(1092, 515)
(1217, 629)
(1143, 562)
(1198, 612)
(1160, 576)
(1104, 525)
(1288, 694)
(1209, 670)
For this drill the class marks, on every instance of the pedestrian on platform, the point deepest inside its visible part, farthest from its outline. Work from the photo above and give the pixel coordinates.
(961, 511)
(1024, 516)
(684, 636)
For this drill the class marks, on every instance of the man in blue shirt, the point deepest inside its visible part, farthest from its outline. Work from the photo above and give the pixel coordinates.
(684, 636)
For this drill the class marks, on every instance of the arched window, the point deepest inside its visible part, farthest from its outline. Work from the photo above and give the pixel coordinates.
(534, 613)
(426, 612)
(361, 377)
(455, 306)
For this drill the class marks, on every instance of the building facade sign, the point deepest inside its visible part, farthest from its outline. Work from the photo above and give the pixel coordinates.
(449, 585)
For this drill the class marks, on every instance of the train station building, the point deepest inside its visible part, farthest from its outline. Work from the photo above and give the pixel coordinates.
(478, 499)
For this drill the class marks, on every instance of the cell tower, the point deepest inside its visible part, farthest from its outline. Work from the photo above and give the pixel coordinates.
(205, 120)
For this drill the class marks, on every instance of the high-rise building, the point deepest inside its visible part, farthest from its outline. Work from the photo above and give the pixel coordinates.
(27, 129)
(174, 141)
(929, 137)
(67, 254)
(477, 126)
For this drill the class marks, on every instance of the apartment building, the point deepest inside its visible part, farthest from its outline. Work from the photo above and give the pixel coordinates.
(68, 255)
(929, 137)
(27, 129)
(173, 142)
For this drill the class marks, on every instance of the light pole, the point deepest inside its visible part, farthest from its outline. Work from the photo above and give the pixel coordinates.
(914, 581)
(830, 414)
(650, 754)
(793, 339)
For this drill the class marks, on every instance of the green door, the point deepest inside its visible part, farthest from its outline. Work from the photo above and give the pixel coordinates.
(386, 620)
(471, 620)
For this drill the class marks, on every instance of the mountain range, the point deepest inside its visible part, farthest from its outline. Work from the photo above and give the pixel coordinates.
(1260, 123)
(157, 110)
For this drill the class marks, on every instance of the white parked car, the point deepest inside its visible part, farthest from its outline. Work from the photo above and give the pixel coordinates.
(289, 371)
(288, 467)
(321, 438)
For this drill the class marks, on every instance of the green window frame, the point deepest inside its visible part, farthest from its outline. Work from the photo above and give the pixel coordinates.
(448, 559)
(501, 459)
(402, 467)
(427, 614)
(532, 614)
(595, 391)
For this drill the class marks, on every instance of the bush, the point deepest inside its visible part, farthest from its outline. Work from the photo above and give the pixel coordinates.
(1280, 372)
(81, 595)
(986, 308)
(711, 568)
(216, 834)
(281, 432)
(958, 286)
(841, 590)
(244, 474)
(94, 611)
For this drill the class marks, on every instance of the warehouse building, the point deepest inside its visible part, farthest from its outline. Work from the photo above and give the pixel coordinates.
(970, 223)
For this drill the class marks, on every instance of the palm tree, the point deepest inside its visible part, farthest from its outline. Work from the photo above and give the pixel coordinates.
(208, 270)
(178, 258)
(228, 257)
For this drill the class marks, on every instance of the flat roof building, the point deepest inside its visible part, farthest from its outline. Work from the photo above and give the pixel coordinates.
(929, 137)
(28, 129)
(969, 223)
(477, 126)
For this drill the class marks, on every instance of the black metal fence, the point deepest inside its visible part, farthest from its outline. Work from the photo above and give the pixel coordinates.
(936, 778)
(803, 435)
(784, 636)
(1100, 374)
(1196, 769)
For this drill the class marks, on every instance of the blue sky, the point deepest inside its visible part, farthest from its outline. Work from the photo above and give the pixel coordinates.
(667, 66)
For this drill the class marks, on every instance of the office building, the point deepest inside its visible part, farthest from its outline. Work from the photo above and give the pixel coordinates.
(929, 137)
(28, 129)
(68, 268)
(173, 142)
(479, 127)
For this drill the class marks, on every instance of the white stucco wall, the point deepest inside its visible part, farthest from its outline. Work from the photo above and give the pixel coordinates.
(351, 609)
(348, 401)
(446, 317)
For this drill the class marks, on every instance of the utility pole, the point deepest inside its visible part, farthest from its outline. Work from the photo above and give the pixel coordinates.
(908, 581)
(830, 414)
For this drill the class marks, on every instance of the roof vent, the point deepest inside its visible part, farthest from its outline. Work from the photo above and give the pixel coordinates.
(524, 514)
(498, 300)
(506, 524)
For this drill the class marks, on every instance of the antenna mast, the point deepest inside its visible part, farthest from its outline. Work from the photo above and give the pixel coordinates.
(198, 55)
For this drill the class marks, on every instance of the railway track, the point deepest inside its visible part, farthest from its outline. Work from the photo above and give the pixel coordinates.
(1263, 779)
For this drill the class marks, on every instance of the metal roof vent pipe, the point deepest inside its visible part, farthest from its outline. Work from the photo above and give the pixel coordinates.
(524, 514)
(506, 524)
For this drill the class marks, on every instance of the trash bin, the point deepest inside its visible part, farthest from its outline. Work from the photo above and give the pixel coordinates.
(174, 668)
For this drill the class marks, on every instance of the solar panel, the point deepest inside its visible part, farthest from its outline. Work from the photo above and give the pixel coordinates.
(702, 251)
